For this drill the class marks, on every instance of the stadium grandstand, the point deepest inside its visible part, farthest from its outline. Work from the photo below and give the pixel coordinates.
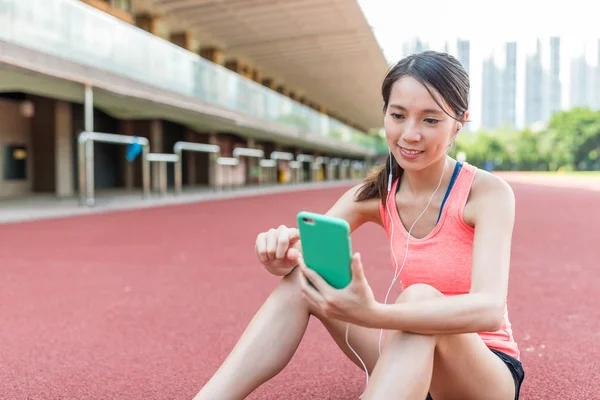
(151, 96)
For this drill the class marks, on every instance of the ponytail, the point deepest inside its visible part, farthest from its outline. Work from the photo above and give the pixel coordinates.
(376, 184)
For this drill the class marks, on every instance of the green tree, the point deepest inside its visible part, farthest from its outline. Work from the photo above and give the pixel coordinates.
(575, 139)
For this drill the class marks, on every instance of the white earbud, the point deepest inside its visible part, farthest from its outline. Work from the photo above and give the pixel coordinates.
(460, 126)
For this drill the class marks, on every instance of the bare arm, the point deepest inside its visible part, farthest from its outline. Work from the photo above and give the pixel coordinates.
(279, 249)
(482, 308)
(355, 213)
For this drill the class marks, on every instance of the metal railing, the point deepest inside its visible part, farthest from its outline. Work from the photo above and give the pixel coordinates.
(296, 167)
(230, 162)
(271, 166)
(178, 149)
(85, 143)
(348, 168)
(162, 159)
(307, 158)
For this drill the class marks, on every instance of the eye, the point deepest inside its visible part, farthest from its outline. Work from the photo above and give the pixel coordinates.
(397, 116)
(432, 121)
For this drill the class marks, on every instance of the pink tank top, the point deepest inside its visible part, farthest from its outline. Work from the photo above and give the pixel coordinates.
(451, 241)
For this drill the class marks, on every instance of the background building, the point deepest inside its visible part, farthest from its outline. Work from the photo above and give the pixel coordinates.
(275, 76)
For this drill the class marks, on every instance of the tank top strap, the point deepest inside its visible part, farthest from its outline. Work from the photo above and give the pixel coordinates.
(462, 188)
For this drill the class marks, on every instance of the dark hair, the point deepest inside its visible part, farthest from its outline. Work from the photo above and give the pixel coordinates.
(438, 71)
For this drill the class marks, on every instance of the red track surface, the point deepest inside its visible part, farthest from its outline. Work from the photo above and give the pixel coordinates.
(147, 304)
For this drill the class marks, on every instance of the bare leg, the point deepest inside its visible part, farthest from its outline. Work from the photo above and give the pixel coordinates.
(451, 366)
(273, 336)
(266, 346)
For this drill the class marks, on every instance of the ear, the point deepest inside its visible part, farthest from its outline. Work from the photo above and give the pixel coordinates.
(464, 120)
(460, 124)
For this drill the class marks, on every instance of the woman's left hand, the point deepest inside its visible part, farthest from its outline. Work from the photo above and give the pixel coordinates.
(355, 303)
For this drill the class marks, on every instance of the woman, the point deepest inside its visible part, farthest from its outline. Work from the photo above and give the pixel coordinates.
(448, 335)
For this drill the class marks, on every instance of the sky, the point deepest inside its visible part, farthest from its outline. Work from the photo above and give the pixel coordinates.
(436, 21)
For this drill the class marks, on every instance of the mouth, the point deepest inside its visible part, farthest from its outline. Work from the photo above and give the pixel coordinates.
(410, 152)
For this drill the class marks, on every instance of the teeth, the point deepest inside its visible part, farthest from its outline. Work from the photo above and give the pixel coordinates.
(412, 152)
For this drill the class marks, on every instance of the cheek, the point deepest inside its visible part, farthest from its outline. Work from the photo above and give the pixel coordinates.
(392, 131)
(438, 140)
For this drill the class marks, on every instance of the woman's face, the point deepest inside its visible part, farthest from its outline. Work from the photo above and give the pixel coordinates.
(418, 131)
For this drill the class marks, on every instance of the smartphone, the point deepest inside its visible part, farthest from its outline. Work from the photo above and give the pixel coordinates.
(326, 247)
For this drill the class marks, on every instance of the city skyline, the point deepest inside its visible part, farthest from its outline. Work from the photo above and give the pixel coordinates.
(394, 24)
(546, 74)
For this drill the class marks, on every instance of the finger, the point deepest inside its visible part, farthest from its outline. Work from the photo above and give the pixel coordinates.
(293, 234)
(310, 293)
(293, 255)
(271, 244)
(313, 306)
(283, 243)
(358, 273)
(261, 247)
(322, 286)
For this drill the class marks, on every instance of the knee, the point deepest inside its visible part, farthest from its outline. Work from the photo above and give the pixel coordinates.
(289, 291)
(289, 288)
(418, 291)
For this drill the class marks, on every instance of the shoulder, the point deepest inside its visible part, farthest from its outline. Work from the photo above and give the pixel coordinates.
(489, 194)
(354, 211)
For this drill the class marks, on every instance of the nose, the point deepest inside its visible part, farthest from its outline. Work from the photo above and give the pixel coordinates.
(411, 132)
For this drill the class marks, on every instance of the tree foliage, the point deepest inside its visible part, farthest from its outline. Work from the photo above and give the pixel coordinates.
(570, 141)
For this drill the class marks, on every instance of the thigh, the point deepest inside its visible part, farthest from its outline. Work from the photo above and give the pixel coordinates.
(364, 341)
(464, 368)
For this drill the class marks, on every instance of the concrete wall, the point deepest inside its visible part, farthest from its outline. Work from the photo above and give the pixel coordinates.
(14, 129)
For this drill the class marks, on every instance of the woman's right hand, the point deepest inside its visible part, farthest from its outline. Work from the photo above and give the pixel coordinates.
(279, 249)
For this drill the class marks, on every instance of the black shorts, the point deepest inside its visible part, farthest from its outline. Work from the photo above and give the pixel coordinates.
(515, 367)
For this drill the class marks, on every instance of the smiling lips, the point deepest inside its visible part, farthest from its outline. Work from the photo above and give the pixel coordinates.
(409, 154)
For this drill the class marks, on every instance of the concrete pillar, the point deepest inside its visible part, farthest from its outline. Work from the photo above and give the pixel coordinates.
(213, 54)
(268, 82)
(240, 68)
(212, 164)
(330, 171)
(128, 169)
(182, 39)
(319, 171)
(147, 22)
(252, 163)
(256, 75)
(190, 156)
(156, 146)
(282, 89)
(63, 149)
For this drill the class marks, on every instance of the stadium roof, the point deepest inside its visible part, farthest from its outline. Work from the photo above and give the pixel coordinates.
(322, 49)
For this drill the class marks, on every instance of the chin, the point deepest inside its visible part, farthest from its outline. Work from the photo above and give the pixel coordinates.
(418, 162)
(412, 164)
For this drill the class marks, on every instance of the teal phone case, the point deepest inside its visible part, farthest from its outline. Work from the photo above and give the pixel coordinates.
(326, 247)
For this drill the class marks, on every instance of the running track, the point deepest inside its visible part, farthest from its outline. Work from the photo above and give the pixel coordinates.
(146, 304)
